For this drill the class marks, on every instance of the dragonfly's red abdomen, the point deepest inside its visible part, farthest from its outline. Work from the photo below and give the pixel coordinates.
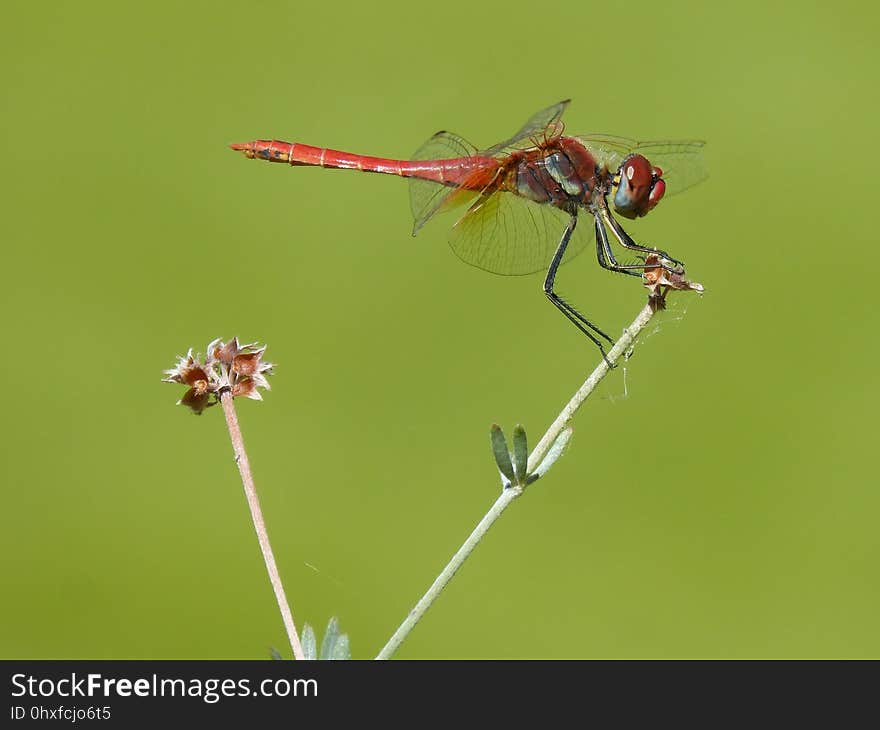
(456, 171)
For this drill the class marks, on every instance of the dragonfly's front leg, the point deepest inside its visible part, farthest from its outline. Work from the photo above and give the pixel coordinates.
(606, 255)
(575, 317)
(623, 238)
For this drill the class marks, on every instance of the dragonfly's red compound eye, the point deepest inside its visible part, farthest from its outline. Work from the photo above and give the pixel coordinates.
(639, 187)
(657, 190)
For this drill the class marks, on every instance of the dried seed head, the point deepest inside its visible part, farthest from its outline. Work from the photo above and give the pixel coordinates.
(659, 280)
(227, 366)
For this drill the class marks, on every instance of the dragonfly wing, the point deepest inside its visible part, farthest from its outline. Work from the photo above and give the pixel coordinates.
(512, 236)
(546, 120)
(427, 197)
(682, 161)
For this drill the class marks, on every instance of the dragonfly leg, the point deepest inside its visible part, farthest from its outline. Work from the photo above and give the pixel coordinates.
(624, 239)
(606, 255)
(572, 314)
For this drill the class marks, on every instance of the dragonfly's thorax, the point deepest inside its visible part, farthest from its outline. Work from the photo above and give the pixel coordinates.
(561, 172)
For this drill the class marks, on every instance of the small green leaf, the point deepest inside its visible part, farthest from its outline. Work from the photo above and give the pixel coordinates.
(341, 650)
(276, 655)
(555, 451)
(502, 455)
(309, 643)
(520, 453)
(335, 645)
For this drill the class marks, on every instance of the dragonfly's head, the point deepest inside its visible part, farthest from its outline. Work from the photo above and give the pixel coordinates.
(638, 187)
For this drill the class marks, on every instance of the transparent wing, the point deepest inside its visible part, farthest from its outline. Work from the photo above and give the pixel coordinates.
(427, 197)
(682, 161)
(546, 120)
(512, 236)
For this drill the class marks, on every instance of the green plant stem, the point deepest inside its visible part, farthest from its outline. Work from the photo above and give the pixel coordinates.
(250, 493)
(620, 348)
(501, 504)
(623, 344)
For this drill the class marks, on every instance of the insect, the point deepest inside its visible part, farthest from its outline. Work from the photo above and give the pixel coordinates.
(521, 198)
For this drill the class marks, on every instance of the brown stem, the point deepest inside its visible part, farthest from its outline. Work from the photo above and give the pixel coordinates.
(250, 493)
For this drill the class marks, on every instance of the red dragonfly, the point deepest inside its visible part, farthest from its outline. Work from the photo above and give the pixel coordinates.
(523, 196)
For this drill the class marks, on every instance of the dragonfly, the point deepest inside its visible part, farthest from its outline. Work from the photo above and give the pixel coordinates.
(520, 200)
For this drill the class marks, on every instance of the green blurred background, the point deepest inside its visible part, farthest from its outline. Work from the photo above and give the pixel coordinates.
(726, 507)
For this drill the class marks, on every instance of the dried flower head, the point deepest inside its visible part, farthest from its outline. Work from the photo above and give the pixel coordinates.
(659, 280)
(228, 366)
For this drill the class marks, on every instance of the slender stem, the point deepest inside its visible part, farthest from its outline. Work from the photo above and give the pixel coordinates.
(510, 493)
(250, 493)
(623, 344)
(507, 496)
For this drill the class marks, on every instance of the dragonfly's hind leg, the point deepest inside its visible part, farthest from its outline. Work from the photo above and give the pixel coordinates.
(575, 317)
